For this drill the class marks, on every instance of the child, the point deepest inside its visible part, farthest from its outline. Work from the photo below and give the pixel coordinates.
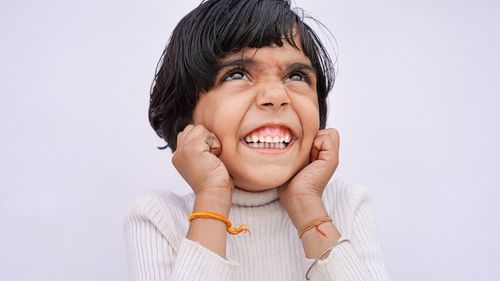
(240, 98)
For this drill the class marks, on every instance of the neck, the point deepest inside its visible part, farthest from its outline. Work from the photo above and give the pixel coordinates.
(247, 198)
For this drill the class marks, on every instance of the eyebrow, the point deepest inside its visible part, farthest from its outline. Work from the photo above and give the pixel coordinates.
(300, 66)
(249, 62)
(237, 62)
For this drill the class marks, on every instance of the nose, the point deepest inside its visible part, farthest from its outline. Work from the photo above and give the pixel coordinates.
(272, 96)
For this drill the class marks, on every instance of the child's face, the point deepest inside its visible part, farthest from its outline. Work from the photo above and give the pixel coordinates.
(264, 94)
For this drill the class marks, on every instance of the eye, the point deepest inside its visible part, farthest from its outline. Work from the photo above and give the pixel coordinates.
(236, 74)
(297, 76)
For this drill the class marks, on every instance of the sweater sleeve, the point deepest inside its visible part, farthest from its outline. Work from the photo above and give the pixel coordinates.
(155, 255)
(359, 256)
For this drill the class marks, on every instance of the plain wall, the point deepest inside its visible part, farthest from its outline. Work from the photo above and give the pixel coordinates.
(415, 101)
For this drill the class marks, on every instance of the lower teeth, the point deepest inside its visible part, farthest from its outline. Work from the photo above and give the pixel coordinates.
(278, 145)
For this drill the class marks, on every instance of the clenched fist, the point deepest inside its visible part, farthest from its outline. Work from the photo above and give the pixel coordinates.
(196, 159)
(305, 189)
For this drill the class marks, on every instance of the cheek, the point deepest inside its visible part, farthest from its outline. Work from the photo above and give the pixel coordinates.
(219, 115)
(224, 123)
(308, 112)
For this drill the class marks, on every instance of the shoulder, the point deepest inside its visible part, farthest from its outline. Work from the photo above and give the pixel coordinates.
(342, 190)
(343, 200)
(164, 210)
(155, 200)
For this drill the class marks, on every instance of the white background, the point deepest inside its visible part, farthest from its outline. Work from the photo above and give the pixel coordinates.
(416, 103)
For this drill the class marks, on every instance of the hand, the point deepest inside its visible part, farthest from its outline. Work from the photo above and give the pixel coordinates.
(196, 159)
(306, 188)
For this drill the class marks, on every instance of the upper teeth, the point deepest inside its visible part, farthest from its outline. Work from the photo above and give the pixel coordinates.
(277, 139)
(269, 136)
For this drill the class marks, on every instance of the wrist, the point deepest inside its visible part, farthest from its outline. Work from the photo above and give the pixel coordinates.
(304, 210)
(213, 201)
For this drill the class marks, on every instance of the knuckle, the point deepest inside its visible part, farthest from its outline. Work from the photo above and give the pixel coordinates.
(196, 129)
(187, 128)
(334, 133)
(333, 130)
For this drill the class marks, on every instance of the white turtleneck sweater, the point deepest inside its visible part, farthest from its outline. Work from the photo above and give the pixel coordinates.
(156, 227)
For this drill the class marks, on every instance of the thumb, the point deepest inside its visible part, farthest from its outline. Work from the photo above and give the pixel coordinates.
(214, 145)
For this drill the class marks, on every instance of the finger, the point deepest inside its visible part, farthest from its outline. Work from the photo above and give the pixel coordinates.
(181, 135)
(179, 139)
(213, 144)
(316, 148)
(314, 154)
(333, 134)
(328, 131)
(325, 147)
(195, 134)
(202, 138)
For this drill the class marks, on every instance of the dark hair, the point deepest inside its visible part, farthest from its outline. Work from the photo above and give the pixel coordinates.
(190, 62)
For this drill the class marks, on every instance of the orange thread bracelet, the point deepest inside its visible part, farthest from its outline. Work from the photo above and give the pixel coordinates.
(231, 230)
(315, 224)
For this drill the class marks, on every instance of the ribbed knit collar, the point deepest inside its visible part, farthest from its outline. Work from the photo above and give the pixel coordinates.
(253, 199)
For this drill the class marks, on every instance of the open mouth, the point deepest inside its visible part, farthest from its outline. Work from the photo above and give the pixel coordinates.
(269, 137)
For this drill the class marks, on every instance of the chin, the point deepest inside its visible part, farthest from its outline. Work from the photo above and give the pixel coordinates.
(263, 180)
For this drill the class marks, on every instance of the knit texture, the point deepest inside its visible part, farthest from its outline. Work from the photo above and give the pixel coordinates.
(156, 227)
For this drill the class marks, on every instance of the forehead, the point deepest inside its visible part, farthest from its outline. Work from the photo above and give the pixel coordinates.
(274, 56)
